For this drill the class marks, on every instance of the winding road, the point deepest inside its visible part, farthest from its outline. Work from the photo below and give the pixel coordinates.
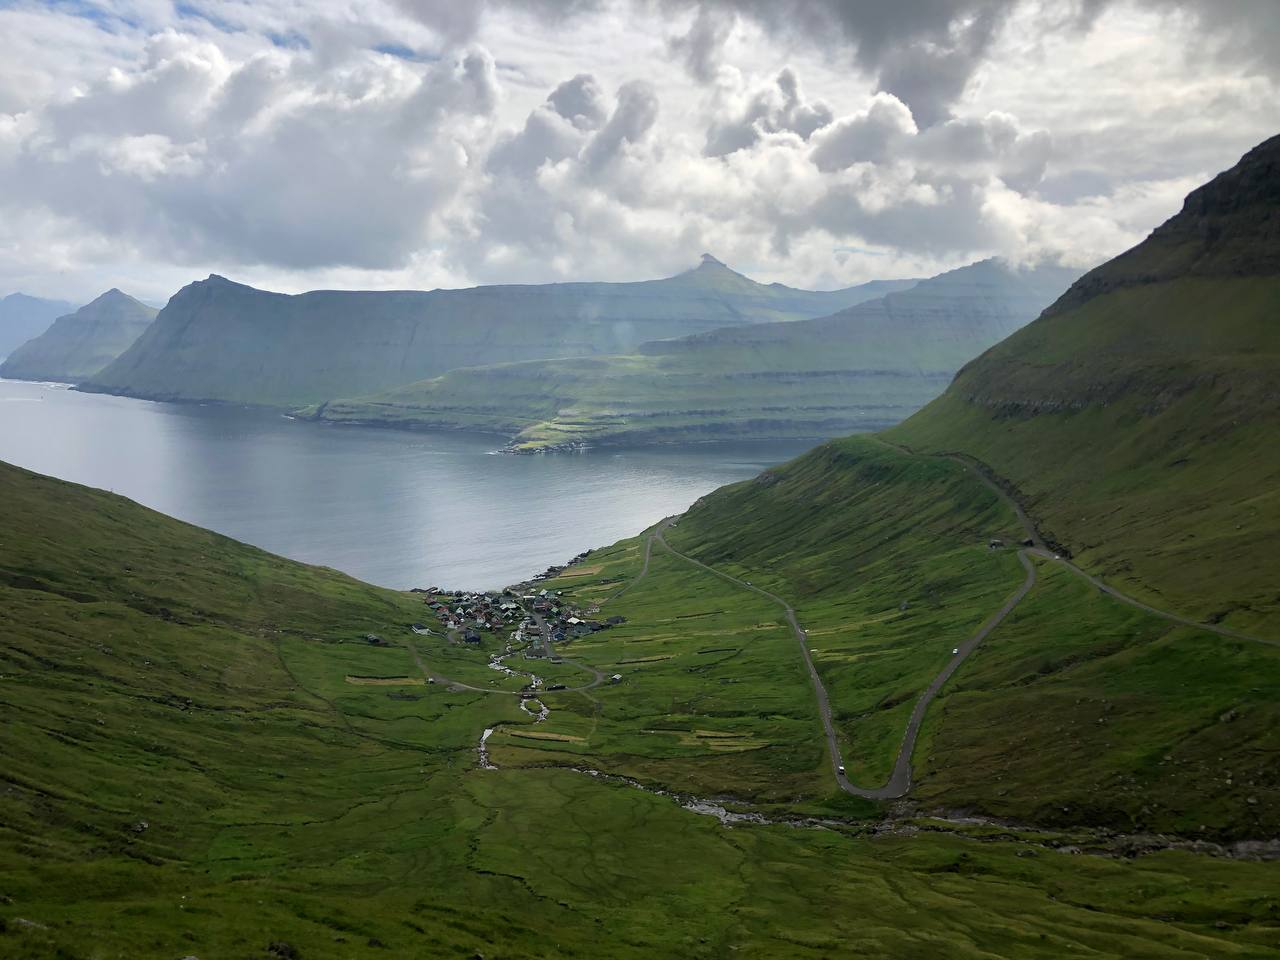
(899, 782)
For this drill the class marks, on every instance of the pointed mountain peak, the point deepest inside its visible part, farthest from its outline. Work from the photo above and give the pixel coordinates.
(709, 261)
(113, 297)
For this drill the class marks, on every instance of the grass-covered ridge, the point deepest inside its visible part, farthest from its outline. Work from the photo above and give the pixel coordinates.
(864, 368)
(1137, 418)
(885, 557)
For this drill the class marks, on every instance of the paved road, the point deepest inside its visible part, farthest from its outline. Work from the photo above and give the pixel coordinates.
(644, 567)
(1041, 549)
(900, 780)
(1164, 614)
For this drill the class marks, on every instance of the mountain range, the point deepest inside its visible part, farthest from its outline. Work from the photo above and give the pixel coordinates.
(80, 344)
(23, 317)
(223, 341)
(863, 368)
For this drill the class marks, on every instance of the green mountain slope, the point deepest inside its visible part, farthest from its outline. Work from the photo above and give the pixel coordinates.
(1138, 417)
(23, 317)
(190, 771)
(863, 368)
(218, 340)
(1134, 423)
(80, 344)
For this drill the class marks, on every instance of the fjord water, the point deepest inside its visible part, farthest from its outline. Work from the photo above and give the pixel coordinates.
(397, 509)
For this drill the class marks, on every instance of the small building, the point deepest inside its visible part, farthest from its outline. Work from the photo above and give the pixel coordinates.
(616, 678)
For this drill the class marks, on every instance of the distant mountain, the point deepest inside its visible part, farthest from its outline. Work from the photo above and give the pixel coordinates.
(23, 317)
(80, 344)
(218, 340)
(863, 368)
(1139, 416)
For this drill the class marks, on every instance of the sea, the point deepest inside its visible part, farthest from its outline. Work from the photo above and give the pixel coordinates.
(395, 508)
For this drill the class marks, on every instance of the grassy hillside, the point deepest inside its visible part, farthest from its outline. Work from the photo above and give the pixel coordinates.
(885, 558)
(80, 344)
(1137, 418)
(188, 772)
(1134, 422)
(864, 368)
(218, 340)
(23, 317)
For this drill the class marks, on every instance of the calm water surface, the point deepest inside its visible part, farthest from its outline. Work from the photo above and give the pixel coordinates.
(397, 509)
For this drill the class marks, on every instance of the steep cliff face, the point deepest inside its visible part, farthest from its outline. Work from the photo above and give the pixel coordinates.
(1138, 416)
(1227, 229)
(80, 344)
(218, 340)
(864, 368)
(23, 317)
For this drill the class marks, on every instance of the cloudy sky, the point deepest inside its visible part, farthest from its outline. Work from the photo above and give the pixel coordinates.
(424, 143)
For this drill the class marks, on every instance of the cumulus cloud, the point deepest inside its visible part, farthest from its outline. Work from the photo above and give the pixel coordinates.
(777, 108)
(699, 48)
(872, 136)
(207, 156)
(416, 143)
(579, 101)
(632, 118)
(925, 52)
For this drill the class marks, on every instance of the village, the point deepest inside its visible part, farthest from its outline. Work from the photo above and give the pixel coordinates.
(537, 618)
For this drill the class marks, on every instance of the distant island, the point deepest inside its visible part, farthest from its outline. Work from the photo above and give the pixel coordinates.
(866, 367)
(226, 342)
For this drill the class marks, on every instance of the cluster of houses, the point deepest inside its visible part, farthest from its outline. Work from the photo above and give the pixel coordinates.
(563, 622)
(472, 612)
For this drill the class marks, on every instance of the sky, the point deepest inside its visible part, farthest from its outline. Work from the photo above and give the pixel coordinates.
(382, 144)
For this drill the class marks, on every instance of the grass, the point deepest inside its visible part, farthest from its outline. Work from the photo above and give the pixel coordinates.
(885, 560)
(188, 771)
(695, 653)
(1163, 477)
(1081, 709)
